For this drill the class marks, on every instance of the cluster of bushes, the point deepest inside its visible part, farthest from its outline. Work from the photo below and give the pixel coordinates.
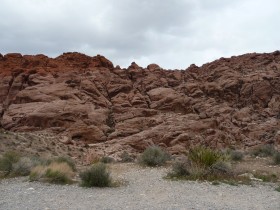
(267, 150)
(57, 170)
(12, 165)
(60, 170)
(203, 164)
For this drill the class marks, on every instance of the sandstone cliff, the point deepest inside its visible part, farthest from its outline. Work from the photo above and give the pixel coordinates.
(87, 101)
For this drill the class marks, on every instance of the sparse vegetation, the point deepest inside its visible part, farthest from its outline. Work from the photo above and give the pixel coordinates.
(205, 157)
(23, 167)
(264, 151)
(221, 167)
(64, 159)
(181, 168)
(6, 163)
(96, 176)
(126, 158)
(236, 155)
(205, 164)
(154, 156)
(276, 158)
(266, 177)
(58, 173)
(107, 159)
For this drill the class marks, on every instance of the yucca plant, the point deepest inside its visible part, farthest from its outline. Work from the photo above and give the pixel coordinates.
(205, 157)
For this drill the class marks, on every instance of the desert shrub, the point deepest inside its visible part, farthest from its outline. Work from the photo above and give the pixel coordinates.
(57, 177)
(205, 157)
(266, 177)
(5, 166)
(12, 156)
(181, 168)
(220, 168)
(203, 164)
(67, 160)
(264, 150)
(37, 173)
(7, 161)
(23, 166)
(276, 158)
(236, 155)
(126, 158)
(106, 159)
(96, 176)
(58, 173)
(154, 156)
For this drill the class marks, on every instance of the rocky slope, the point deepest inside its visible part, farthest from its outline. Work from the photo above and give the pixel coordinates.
(87, 101)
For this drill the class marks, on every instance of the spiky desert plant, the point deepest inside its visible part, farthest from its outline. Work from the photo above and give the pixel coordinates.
(205, 157)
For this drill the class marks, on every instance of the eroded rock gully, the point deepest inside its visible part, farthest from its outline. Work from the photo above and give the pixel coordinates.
(87, 101)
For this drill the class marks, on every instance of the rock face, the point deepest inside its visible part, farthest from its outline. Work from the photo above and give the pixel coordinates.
(86, 100)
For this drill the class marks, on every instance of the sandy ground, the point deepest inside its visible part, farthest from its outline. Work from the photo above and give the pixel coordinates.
(144, 188)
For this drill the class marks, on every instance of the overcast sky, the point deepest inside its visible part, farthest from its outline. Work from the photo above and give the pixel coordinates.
(171, 33)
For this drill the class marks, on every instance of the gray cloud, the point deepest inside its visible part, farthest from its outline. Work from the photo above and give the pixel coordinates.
(173, 33)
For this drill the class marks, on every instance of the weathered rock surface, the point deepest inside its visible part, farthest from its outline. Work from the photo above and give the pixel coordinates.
(86, 100)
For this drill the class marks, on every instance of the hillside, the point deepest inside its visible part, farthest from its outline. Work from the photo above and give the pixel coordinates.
(90, 103)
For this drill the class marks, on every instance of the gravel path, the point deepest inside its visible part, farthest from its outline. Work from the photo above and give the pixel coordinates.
(145, 190)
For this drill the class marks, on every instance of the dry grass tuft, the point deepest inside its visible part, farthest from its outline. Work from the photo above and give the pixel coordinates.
(59, 173)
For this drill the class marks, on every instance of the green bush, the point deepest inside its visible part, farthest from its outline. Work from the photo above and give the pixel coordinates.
(276, 158)
(205, 157)
(7, 161)
(96, 176)
(57, 177)
(236, 155)
(154, 156)
(277, 189)
(264, 150)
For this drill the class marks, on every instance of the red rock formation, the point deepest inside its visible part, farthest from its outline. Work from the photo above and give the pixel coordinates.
(229, 102)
